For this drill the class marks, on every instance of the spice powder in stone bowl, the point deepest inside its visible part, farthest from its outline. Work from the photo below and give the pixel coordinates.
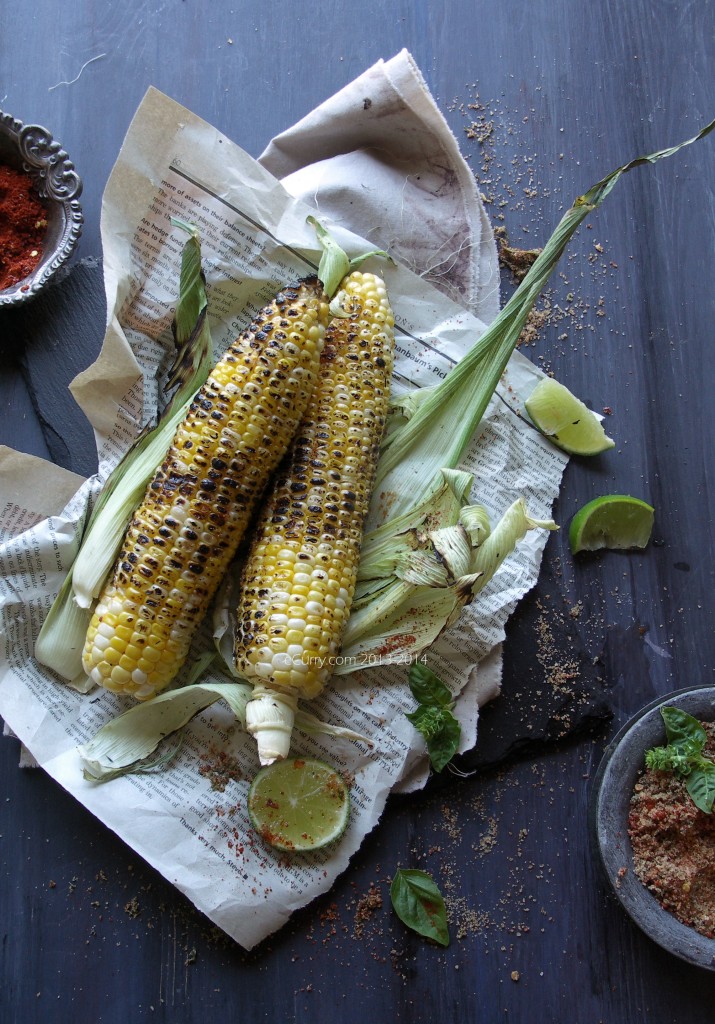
(40, 215)
(657, 848)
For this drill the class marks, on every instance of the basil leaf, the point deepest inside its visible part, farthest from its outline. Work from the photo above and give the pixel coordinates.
(686, 740)
(433, 717)
(701, 785)
(418, 903)
(427, 720)
(443, 746)
(683, 731)
(661, 759)
(441, 731)
(427, 688)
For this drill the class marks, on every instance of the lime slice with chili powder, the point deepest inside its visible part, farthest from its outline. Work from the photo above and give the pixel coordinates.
(299, 804)
(615, 521)
(566, 420)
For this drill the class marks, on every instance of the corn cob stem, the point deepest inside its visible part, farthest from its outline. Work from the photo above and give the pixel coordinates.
(299, 576)
(198, 504)
(270, 717)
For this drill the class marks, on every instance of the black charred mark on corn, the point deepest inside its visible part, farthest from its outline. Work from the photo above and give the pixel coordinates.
(300, 574)
(196, 509)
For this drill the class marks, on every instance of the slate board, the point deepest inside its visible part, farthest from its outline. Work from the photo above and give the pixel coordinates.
(561, 695)
(45, 344)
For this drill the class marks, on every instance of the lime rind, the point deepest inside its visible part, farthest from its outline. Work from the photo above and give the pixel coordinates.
(566, 420)
(617, 522)
(298, 805)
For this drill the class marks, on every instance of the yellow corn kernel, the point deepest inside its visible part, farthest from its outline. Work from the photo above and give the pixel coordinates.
(196, 508)
(299, 576)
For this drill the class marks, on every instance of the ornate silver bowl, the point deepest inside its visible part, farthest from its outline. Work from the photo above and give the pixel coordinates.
(31, 148)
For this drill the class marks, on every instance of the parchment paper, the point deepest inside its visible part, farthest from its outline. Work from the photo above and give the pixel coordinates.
(255, 239)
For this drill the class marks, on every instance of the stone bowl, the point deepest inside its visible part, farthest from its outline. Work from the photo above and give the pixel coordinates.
(31, 148)
(622, 763)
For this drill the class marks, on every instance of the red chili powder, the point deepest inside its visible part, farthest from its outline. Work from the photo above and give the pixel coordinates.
(23, 222)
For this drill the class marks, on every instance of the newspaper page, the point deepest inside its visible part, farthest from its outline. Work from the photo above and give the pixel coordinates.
(189, 820)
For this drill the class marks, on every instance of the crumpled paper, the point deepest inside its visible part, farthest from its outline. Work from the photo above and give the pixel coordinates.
(380, 158)
(199, 859)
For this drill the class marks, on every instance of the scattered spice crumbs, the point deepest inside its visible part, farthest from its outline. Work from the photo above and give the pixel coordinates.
(366, 908)
(132, 908)
(220, 768)
(518, 261)
(509, 180)
(561, 670)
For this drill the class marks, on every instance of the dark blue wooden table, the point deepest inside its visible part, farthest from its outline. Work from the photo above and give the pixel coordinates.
(545, 98)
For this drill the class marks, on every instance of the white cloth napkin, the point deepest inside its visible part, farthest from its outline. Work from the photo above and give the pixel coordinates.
(379, 158)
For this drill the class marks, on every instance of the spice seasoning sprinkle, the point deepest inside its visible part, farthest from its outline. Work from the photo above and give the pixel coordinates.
(23, 223)
(674, 845)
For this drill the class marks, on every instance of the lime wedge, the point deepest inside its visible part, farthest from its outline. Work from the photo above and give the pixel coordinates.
(565, 420)
(299, 804)
(615, 521)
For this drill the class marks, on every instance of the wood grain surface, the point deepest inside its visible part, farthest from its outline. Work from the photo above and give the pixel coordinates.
(545, 98)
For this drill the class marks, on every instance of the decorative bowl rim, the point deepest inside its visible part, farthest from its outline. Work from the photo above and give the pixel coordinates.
(613, 784)
(58, 183)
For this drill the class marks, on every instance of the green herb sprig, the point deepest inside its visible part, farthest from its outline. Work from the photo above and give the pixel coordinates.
(419, 904)
(683, 755)
(433, 716)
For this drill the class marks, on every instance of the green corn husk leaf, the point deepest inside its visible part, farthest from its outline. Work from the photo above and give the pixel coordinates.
(126, 485)
(511, 528)
(335, 264)
(428, 586)
(134, 736)
(383, 547)
(134, 741)
(61, 639)
(403, 600)
(438, 423)
(394, 616)
(475, 520)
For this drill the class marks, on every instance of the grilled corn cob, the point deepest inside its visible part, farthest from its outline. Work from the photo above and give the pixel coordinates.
(196, 508)
(299, 577)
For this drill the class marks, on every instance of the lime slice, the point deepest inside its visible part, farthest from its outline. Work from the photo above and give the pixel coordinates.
(565, 419)
(299, 804)
(613, 521)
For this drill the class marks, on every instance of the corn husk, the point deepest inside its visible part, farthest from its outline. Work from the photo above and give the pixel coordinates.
(402, 586)
(438, 422)
(429, 584)
(61, 640)
(144, 738)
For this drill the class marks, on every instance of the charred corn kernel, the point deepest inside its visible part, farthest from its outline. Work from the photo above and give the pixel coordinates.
(197, 506)
(300, 574)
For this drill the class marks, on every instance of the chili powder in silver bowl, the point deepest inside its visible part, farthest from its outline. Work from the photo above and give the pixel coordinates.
(622, 764)
(29, 149)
